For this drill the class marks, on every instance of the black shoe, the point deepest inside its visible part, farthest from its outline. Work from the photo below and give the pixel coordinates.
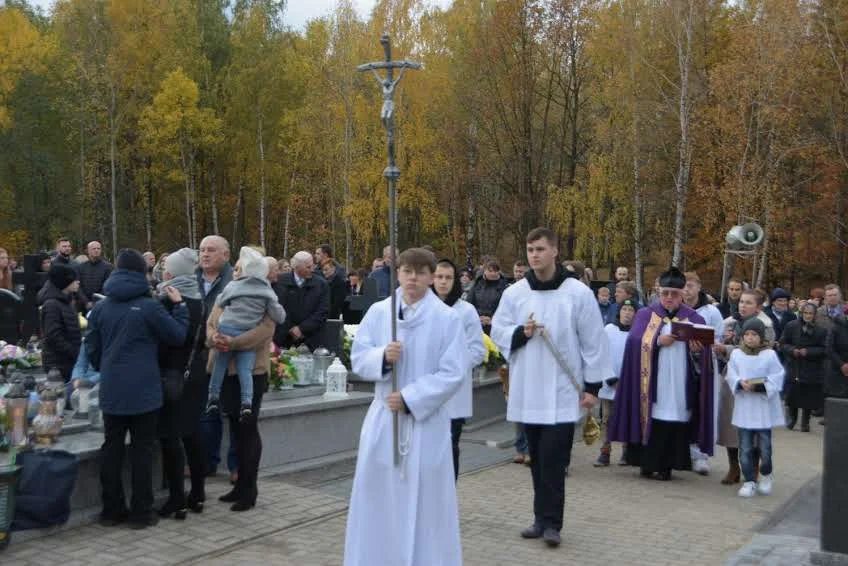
(137, 524)
(212, 407)
(664, 475)
(171, 508)
(805, 427)
(239, 506)
(536, 531)
(112, 520)
(646, 474)
(245, 414)
(195, 503)
(230, 497)
(551, 537)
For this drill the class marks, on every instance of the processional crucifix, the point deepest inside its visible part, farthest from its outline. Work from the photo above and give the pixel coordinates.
(391, 173)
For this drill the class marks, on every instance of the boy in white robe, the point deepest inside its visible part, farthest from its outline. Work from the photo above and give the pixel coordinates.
(407, 515)
(447, 288)
(755, 375)
(541, 393)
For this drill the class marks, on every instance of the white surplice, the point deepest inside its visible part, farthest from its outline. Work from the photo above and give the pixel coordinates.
(540, 392)
(755, 410)
(616, 339)
(407, 515)
(672, 374)
(460, 405)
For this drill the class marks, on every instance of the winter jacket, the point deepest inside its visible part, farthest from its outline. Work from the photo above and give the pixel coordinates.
(246, 301)
(218, 285)
(727, 309)
(126, 331)
(340, 271)
(93, 275)
(609, 312)
(383, 278)
(338, 293)
(486, 295)
(306, 307)
(60, 325)
(779, 322)
(836, 384)
(810, 368)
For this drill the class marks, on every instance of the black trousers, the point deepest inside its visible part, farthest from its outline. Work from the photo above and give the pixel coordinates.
(550, 455)
(175, 453)
(456, 432)
(248, 441)
(142, 429)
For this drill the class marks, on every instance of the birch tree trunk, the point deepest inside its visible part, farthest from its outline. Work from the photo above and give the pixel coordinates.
(113, 142)
(214, 199)
(684, 146)
(286, 235)
(261, 178)
(348, 135)
(188, 205)
(636, 188)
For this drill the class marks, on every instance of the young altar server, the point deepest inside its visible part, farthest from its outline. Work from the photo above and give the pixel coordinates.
(616, 332)
(407, 515)
(755, 375)
(542, 393)
(446, 285)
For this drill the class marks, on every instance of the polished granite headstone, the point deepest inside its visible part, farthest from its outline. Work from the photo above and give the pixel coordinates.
(834, 535)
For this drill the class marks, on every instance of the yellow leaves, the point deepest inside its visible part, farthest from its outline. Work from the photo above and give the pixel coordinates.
(22, 49)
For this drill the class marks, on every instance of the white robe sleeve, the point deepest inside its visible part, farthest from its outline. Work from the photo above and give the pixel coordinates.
(475, 348)
(504, 323)
(774, 379)
(427, 393)
(594, 348)
(366, 353)
(733, 378)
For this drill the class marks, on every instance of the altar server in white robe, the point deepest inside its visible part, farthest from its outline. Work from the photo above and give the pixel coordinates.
(407, 515)
(755, 375)
(695, 297)
(541, 394)
(446, 285)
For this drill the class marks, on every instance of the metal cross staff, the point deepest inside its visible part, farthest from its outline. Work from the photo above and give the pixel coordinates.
(391, 173)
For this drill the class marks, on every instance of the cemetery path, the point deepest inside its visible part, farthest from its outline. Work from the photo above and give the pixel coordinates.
(612, 517)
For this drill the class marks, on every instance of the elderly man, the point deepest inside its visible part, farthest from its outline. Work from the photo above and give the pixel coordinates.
(833, 308)
(382, 274)
(306, 300)
(213, 273)
(94, 273)
(273, 269)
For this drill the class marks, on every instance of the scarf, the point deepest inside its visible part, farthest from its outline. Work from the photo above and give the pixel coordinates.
(185, 284)
(752, 351)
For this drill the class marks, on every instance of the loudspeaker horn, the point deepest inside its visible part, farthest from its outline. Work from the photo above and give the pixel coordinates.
(749, 234)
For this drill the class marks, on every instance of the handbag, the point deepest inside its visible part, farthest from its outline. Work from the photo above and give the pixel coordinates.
(591, 428)
(173, 380)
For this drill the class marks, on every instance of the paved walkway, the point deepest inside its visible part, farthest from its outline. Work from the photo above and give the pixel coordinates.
(612, 517)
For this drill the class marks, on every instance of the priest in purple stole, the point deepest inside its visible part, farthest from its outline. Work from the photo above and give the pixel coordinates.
(662, 404)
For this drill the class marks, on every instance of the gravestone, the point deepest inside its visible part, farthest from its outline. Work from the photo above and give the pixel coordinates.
(361, 303)
(834, 543)
(331, 335)
(33, 279)
(10, 316)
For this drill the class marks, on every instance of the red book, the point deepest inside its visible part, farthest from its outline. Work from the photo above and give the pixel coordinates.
(686, 331)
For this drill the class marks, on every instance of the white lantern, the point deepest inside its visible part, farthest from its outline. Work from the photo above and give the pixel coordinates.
(336, 380)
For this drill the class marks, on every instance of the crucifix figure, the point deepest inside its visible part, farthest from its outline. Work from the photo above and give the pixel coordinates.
(391, 173)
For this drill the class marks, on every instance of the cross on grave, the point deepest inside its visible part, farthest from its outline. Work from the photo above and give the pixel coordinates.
(32, 279)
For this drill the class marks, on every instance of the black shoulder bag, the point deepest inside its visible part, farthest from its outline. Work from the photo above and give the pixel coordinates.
(173, 381)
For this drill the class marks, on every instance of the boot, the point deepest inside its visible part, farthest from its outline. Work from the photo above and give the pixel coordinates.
(805, 420)
(604, 458)
(733, 473)
(791, 418)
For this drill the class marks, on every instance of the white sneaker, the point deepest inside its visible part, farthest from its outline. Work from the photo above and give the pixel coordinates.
(748, 489)
(765, 485)
(701, 467)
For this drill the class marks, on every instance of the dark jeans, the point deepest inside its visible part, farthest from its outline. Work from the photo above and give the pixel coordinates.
(175, 452)
(456, 432)
(248, 443)
(749, 450)
(550, 453)
(142, 429)
(211, 433)
(520, 439)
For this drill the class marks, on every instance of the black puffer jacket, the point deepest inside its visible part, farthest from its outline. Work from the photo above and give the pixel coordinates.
(62, 336)
(812, 367)
(93, 274)
(486, 295)
(306, 307)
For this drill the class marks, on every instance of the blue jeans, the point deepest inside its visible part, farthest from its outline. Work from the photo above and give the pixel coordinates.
(748, 451)
(520, 439)
(245, 360)
(212, 431)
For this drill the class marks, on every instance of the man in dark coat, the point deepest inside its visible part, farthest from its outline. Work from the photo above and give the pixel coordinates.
(778, 311)
(486, 293)
(125, 333)
(94, 273)
(730, 305)
(59, 321)
(306, 300)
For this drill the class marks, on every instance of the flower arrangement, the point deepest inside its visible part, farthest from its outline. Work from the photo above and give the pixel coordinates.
(281, 371)
(347, 343)
(12, 356)
(494, 359)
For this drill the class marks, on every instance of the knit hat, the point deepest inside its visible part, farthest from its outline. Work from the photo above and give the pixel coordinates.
(756, 325)
(252, 263)
(181, 262)
(62, 275)
(131, 260)
(629, 303)
(780, 294)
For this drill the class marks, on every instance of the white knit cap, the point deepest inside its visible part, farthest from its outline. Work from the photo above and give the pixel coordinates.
(182, 262)
(252, 263)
